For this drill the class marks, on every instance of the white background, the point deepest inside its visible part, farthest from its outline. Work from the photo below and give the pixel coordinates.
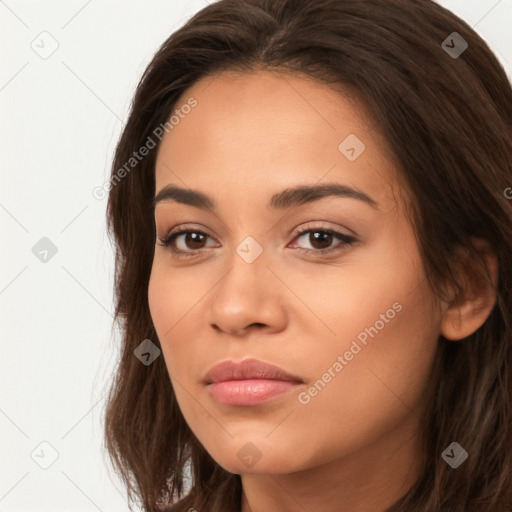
(60, 120)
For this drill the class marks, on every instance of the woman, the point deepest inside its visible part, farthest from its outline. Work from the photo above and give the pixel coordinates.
(314, 264)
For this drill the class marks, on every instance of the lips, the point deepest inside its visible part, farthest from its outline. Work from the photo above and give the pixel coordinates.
(247, 369)
(249, 382)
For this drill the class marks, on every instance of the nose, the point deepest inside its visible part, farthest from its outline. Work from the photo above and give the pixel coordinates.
(249, 297)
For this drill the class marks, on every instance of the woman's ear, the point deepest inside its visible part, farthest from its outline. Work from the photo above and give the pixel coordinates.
(472, 306)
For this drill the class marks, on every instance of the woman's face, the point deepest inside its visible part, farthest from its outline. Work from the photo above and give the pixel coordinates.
(355, 324)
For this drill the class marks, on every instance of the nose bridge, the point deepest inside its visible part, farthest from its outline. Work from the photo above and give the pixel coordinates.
(246, 295)
(248, 268)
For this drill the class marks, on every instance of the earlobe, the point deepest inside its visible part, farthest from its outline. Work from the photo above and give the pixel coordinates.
(473, 305)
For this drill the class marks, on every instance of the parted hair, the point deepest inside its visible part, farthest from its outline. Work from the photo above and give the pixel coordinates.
(448, 121)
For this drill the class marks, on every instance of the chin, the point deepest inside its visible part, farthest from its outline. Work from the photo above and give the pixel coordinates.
(252, 458)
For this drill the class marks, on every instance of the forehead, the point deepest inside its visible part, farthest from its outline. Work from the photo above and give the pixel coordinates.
(269, 129)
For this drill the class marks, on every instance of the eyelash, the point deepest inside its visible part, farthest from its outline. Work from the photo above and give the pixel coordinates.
(169, 239)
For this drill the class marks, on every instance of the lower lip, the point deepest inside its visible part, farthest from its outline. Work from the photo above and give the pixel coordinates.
(249, 392)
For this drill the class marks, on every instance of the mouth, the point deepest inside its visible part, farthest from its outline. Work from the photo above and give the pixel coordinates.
(249, 382)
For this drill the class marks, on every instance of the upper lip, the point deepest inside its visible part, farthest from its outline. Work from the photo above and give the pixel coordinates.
(247, 369)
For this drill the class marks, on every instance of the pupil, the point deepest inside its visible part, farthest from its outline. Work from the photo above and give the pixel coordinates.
(196, 238)
(320, 237)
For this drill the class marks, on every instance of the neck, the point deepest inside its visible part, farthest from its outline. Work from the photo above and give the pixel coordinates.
(370, 479)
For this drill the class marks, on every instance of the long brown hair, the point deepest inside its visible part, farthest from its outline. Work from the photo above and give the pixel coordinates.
(447, 119)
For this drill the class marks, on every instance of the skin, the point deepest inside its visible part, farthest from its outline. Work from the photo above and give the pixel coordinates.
(355, 445)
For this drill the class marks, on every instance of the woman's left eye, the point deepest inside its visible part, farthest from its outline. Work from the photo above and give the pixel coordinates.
(319, 239)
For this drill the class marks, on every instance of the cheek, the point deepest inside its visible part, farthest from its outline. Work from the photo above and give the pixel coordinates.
(168, 304)
(161, 307)
(380, 387)
(391, 372)
(397, 330)
(387, 336)
(173, 296)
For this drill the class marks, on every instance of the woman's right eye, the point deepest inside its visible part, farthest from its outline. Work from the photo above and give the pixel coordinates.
(184, 242)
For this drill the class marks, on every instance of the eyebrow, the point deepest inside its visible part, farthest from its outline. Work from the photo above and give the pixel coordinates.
(288, 198)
